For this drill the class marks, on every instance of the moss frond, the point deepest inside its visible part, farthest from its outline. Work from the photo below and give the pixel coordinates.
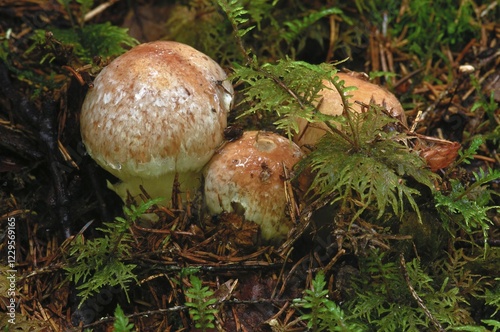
(104, 40)
(373, 175)
(101, 262)
(201, 304)
(287, 90)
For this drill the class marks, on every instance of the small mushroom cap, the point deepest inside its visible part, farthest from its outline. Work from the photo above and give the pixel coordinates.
(247, 177)
(159, 108)
(331, 104)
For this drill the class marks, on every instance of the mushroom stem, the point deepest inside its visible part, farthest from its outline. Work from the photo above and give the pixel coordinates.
(157, 187)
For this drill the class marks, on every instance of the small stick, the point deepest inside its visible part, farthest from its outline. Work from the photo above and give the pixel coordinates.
(420, 302)
(417, 120)
(99, 9)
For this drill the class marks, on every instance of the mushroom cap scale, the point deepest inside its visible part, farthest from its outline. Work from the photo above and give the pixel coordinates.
(247, 177)
(159, 108)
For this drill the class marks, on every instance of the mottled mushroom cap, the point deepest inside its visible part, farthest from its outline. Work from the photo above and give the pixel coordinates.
(331, 104)
(247, 177)
(159, 108)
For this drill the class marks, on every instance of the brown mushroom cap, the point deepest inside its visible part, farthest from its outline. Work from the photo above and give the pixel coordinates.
(158, 109)
(331, 104)
(247, 177)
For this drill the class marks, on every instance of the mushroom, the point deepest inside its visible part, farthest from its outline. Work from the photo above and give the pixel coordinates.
(157, 110)
(247, 177)
(331, 104)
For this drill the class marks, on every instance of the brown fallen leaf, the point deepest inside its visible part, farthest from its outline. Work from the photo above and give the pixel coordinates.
(438, 154)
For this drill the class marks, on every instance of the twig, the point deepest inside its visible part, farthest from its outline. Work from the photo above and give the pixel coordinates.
(176, 308)
(339, 254)
(419, 300)
(305, 221)
(99, 9)
(407, 77)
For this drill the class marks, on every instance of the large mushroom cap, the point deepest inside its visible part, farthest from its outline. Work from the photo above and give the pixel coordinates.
(159, 108)
(247, 177)
(331, 104)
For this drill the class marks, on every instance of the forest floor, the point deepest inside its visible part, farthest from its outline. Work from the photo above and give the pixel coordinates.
(437, 272)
